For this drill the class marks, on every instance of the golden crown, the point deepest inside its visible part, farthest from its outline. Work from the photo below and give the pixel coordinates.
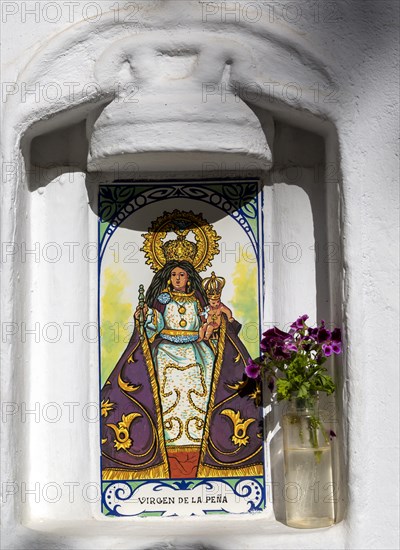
(199, 253)
(213, 285)
(179, 249)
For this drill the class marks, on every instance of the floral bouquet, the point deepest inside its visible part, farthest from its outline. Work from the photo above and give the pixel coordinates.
(294, 361)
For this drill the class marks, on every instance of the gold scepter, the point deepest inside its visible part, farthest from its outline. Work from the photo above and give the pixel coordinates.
(141, 314)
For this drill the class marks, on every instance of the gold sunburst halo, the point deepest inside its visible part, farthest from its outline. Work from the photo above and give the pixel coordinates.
(200, 254)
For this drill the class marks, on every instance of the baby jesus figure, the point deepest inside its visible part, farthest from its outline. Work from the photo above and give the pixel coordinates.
(212, 314)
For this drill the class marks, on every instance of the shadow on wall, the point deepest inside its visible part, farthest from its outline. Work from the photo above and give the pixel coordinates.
(299, 160)
(55, 153)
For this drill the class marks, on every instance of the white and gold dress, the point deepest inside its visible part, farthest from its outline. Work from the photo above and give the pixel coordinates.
(184, 368)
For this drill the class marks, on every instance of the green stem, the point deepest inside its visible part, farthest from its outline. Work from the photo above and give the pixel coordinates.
(315, 424)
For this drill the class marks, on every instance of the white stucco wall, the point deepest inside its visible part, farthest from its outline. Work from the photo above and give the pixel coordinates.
(355, 45)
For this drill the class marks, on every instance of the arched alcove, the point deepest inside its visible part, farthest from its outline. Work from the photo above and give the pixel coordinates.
(225, 122)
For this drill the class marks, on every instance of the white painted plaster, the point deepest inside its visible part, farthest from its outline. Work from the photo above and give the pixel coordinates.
(171, 80)
(340, 62)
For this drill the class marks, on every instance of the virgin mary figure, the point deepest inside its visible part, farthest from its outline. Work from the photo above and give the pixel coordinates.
(177, 405)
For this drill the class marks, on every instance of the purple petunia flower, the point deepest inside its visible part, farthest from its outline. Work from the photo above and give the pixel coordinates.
(327, 349)
(281, 352)
(313, 333)
(253, 369)
(323, 335)
(290, 346)
(336, 347)
(299, 323)
(274, 333)
(336, 335)
(273, 342)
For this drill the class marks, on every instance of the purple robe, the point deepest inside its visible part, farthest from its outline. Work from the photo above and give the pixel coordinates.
(133, 445)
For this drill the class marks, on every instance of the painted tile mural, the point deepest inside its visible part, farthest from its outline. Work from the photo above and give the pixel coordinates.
(180, 289)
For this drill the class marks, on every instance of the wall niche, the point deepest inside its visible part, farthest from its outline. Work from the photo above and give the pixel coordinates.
(193, 122)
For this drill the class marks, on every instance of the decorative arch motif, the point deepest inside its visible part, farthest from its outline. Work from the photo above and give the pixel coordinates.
(124, 201)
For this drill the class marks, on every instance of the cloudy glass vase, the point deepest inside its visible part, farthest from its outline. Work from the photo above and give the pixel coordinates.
(309, 488)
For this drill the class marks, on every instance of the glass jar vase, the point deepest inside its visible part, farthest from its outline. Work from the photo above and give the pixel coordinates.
(308, 466)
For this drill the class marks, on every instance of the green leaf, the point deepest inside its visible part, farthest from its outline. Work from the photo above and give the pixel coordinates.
(303, 392)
